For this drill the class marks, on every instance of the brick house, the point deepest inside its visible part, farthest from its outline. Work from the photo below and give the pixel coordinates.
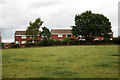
(59, 34)
(56, 34)
(21, 38)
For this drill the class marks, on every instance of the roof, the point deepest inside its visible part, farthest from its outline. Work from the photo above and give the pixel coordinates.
(61, 31)
(21, 32)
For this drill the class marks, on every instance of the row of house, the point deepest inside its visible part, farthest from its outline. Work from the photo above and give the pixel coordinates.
(56, 34)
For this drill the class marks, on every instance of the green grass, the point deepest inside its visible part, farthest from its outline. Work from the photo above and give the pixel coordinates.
(61, 62)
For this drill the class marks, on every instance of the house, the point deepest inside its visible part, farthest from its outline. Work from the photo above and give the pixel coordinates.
(59, 34)
(101, 38)
(21, 38)
(56, 34)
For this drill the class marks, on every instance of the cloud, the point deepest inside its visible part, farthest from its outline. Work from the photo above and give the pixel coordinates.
(16, 14)
(43, 4)
(8, 33)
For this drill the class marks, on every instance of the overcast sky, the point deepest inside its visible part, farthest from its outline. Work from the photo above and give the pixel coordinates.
(16, 14)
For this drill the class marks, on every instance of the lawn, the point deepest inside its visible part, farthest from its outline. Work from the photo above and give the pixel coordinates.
(61, 62)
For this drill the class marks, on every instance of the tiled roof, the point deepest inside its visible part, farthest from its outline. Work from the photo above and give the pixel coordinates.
(21, 32)
(61, 31)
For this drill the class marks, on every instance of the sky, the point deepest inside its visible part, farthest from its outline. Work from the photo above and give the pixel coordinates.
(56, 14)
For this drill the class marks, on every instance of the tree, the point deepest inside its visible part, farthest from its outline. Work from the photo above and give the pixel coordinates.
(33, 29)
(45, 34)
(88, 25)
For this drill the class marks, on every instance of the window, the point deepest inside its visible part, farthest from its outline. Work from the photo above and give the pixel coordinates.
(16, 37)
(82, 39)
(17, 42)
(96, 39)
(23, 42)
(60, 35)
(110, 38)
(80, 36)
(23, 37)
(68, 35)
(102, 38)
(30, 37)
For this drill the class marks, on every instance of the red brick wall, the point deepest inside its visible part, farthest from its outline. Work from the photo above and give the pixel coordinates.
(55, 37)
(19, 38)
(100, 38)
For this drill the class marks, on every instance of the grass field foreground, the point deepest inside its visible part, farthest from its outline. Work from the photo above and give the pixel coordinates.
(61, 62)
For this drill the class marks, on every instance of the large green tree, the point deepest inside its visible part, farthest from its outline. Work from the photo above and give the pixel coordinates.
(33, 29)
(89, 25)
(45, 34)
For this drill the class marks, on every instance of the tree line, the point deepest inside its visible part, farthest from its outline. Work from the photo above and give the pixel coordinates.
(88, 25)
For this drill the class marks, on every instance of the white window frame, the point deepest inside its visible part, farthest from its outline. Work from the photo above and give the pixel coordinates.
(67, 35)
(82, 39)
(110, 38)
(23, 37)
(23, 42)
(60, 35)
(16, 42)
(96, 39)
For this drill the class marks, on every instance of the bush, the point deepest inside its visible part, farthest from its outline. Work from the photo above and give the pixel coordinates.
(58, 42)
(31, 44)
(82, 42)
(46, 42)
(50, 42)
(70, 41)
(116, 40)
(66, 39)
(43, 43)
(29, 41)
(103, 42)
(73, 41)
(15, 46)
(2, 45)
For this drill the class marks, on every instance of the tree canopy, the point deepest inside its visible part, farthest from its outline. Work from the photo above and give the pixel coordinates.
(45, 34)
(88, 25)
(33, 29)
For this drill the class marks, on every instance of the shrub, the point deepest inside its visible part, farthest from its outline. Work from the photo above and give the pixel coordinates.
(58, 42)
(15, 46)
(73, 41)
(43, 43)
(50, 42)
(46, 42)
(103, 42)
(31, 44)
(70, 41)
(82, 42)
(116, 40)
(2, 45)
(66, 39)
(29, 41)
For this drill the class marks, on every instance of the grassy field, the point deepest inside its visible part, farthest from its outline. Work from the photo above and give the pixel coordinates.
(61, 62)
